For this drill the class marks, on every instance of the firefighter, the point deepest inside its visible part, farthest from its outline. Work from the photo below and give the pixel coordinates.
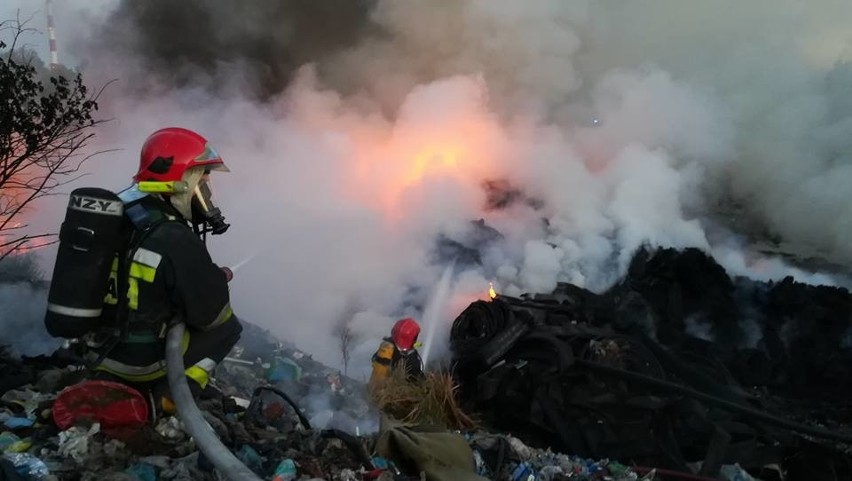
(399, 351)
(171, 209)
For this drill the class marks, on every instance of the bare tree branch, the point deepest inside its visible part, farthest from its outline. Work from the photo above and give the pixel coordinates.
(21, 243)
(45, 127)
(346, 341)
(19, 27)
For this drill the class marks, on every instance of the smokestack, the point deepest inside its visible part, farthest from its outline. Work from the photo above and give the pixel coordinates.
(51, 35)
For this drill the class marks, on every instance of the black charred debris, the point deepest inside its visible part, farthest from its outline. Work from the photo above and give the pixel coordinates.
(678, 366)
(677, 372)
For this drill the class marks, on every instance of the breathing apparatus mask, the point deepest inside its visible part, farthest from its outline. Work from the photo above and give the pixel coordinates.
(206, 217)
(192, 197)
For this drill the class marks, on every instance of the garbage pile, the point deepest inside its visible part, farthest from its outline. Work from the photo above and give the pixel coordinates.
(329, 398)
(284, 415)
(677, 372)
(678, 367)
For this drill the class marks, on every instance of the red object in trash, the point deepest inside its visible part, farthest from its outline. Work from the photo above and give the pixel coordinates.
(118, 408)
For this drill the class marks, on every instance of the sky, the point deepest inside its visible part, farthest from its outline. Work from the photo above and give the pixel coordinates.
(359, 138)
(69, 16)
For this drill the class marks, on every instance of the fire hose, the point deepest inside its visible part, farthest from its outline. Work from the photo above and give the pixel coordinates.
(205, 437)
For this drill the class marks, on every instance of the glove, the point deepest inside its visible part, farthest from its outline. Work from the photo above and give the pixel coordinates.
(229, 274)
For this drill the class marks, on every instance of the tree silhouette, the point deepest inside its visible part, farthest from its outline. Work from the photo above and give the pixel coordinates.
(46, 121)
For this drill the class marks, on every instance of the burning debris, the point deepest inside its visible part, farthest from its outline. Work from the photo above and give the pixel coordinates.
(628, 375)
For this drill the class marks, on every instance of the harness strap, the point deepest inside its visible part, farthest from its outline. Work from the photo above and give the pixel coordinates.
(144, 224)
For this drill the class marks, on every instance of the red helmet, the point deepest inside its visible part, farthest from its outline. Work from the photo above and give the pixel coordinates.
(168, 153)
(404, 333)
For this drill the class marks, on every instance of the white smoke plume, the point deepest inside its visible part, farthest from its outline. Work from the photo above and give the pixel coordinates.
(618, 124)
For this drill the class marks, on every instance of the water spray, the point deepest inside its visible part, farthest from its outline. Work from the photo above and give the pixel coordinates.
(432, 313)
(243, 262)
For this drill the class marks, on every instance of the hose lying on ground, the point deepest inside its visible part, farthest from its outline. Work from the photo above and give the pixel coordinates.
(302, 418)
(205, 438)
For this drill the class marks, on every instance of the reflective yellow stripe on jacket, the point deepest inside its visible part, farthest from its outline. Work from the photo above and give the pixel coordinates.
(201, 370)
(139, 373)
(143, 267)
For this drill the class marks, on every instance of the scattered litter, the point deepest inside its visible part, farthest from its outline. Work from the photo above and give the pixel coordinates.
(7, 439)
(733, 472)
(143, 472)
(74, 442)
(19, 446)
(27, 465)
(332, 432)
(286, 471)
(170, 428)
(15, 423)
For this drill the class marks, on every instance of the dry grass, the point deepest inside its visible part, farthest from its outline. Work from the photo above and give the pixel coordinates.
(431, 400)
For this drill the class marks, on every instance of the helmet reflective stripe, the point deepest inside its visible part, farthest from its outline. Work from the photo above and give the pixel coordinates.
(171, 187)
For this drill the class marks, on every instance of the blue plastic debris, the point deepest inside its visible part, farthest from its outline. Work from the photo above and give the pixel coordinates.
(380, 462)
(142, 472)
(523, 472)
(286, 471)
(250, 458)
(283, 369)
(15, 423)
(28, 466)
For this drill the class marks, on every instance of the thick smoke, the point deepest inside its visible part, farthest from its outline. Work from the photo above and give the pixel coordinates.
(360, 135)
(23, 300)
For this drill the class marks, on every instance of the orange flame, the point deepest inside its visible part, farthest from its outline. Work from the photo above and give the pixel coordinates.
(432, 159)
(390, 167)
(13, 243)
(491, 292)
(406, 164)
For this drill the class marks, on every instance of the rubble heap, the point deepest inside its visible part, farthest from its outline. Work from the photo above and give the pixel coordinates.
(677, 372)
(678, 366)
(283, 414)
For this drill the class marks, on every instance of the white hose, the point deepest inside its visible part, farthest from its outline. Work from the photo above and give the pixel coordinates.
(204, 435)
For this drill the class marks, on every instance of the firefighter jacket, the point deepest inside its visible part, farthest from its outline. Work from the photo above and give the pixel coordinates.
(171, 272)
(388, 357)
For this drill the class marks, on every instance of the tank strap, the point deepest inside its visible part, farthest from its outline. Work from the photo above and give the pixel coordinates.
(144, 222)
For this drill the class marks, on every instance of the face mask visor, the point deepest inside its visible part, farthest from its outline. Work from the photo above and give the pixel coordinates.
(204, 208)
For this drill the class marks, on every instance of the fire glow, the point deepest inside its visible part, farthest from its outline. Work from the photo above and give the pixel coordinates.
(402, 171)
(456, 144)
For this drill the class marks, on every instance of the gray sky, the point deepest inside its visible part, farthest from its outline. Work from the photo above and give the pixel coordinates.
(69, 17)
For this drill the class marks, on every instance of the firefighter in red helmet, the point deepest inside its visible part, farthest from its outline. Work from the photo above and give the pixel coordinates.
(170, 209)
(399, 351)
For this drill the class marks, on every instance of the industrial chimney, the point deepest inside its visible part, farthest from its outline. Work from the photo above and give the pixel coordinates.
(51, 35)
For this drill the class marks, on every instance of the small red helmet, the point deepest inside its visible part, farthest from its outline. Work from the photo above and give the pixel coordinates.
(404, 333)
(169, 152)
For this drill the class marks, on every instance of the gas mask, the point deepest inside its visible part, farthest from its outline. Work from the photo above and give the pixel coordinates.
(196, 204)
(204, 211)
